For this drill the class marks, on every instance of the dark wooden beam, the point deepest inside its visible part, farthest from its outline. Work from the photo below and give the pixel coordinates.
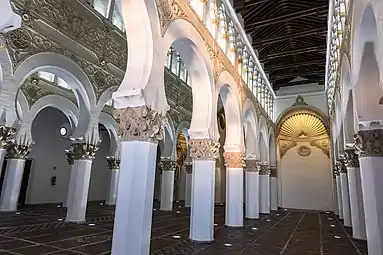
(317, 32)
(274, 78)
(298, 64)
(315, 49)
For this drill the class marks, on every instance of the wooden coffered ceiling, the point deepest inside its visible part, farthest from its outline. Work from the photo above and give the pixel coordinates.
(290, 36)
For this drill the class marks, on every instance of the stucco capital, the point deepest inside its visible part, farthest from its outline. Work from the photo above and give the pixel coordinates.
(204, 149)
(369, 143)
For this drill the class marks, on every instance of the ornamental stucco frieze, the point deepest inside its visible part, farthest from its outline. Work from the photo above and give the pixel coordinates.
(369, 143)
(140, 124)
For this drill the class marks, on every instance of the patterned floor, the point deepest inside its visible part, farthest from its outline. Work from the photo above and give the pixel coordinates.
(41, 230)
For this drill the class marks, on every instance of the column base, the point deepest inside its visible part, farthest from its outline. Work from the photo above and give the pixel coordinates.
(201, 242)
(234, 227)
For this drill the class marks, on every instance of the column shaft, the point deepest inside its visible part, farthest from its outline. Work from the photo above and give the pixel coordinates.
(252, 189)
(339, 196)
(219, 183)
(112, 188)
(188, 184)
(273, 189)
(335, 194)
(264, 189)
(345, 200)
(12, 183)
(167, 190)
(71, 186)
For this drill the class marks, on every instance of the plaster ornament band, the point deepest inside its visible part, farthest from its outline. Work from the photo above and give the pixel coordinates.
(140, 124)
(273, 171)
(264, 168)
(16, 151)
(252, 165)
(84, 151)
(5, 133)
(204, 149)
(113, 163)
(188, 168)
(69, 155)
(234, 159)
(369, 143)
(3, 41)
(352, 159)
(168, 165)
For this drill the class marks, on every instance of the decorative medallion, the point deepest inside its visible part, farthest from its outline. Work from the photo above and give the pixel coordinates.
(20, 39)
(304, 151)
(299, 101)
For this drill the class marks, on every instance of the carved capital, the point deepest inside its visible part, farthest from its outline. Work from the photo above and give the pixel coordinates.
(264, 168)
(16, 151)
(140, 124)
(204, 149)
(341, 165)
(69, 155)
(188, 168)
(273, 171)
(252, 165)
(369, 143)
(113, 163)
(234, 159)
(5, 133)
(168, 165)
(335, 173)
(84, 151)
(352, 159)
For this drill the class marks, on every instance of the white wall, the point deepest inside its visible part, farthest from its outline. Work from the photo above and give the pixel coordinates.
(313, 95)
(306, 182)
(48, 152)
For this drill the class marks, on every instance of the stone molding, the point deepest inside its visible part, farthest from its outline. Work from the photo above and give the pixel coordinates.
(69, 155)
(369, 143)
(352, 159)
(140, 124)
(234, 159)
(264, 168)
(204, 149)
(252, 165)
(168, 165)
(84, 151)
(113, 163)
(5, 133)
(16, 151)
(273, 171)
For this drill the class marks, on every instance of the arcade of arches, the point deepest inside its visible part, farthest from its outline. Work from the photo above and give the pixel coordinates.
(152, 127)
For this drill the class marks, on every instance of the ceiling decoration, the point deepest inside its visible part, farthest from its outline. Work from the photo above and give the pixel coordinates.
(302, 126)
(290, 36)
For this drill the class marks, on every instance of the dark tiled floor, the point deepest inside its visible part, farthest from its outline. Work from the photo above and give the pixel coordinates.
(41, 230)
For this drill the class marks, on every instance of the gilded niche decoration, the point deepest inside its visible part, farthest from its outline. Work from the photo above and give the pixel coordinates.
(323, 144)
(304, 151)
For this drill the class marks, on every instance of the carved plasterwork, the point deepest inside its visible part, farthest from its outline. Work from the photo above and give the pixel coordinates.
(299, 101)
(252, 165)
(84, 151)
(23, 43)
(352, 159)
(204, 149)
(69, 156)
(304, 151)
(323, 144)
(234, 159)
(113, 163)
(168, 165)
(16, 151)
(285, 145)
(369, 143)
(33, 92)
(140, 124)
(3, 41)
(168, 11)
(264, 168)
(5, 134)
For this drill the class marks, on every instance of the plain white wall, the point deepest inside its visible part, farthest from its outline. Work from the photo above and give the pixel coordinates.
(48, 152)
(306, 182)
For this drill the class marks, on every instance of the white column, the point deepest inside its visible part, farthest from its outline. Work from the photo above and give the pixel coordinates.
(142, 128)
(264, 188)
(13, 177)
(188, 183)
(335, 193)
(273, 189)
(345, 195)
(252, 189)
(204, 153)
(339, 196)
(72, 178)
(234, 162)
(219, 182)
(167, 184)
(356, 195)
(114, 173)
(370, 146)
